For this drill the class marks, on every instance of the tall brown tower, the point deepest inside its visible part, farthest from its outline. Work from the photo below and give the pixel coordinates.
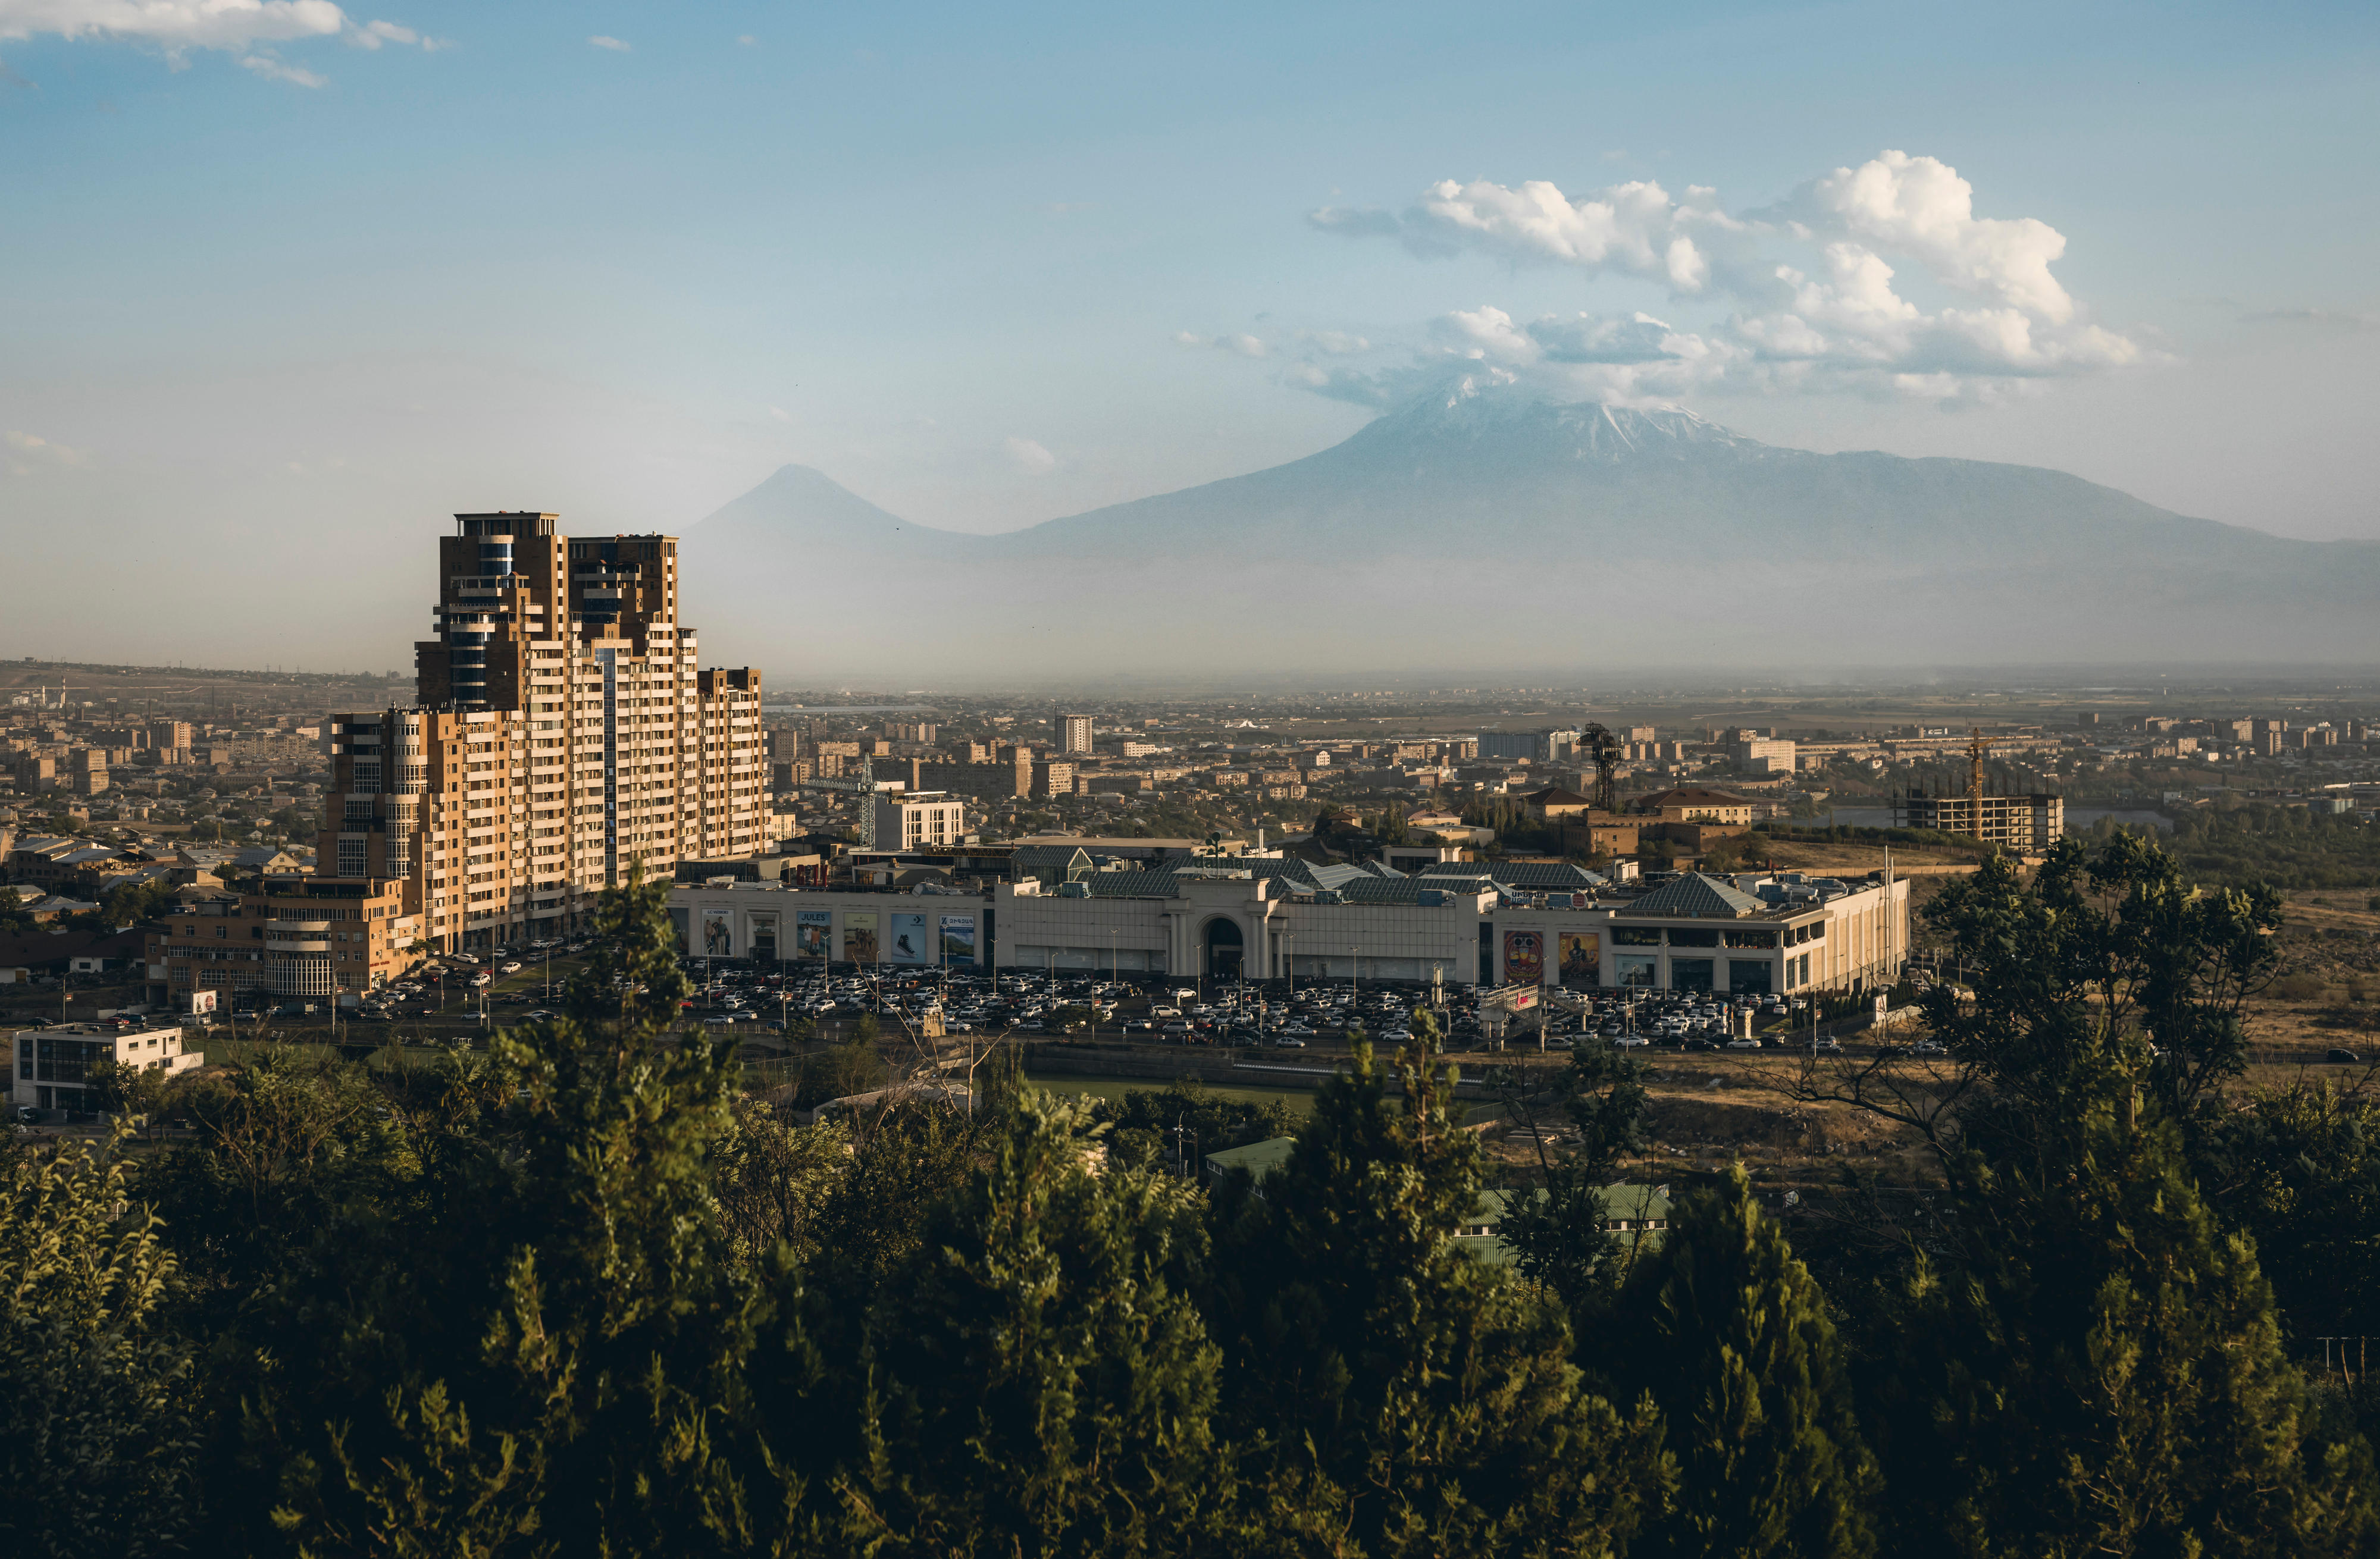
(563, 731)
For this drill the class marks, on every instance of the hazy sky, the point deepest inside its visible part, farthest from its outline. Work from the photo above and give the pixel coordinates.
(288, 283)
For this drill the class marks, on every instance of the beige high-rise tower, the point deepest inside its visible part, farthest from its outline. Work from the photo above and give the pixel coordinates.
(563, 732)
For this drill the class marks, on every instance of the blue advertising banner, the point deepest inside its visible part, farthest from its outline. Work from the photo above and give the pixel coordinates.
(958, 940)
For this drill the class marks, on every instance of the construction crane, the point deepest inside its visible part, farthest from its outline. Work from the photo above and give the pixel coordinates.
(1975, 778)
(1606, 750)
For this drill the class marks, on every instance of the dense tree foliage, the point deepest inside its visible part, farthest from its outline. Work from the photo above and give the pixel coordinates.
(578, 1293)
(2282, 847)
(96, 1438)
(1738, 1348)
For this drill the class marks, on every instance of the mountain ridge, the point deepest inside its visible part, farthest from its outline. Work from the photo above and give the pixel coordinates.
(1657, 523)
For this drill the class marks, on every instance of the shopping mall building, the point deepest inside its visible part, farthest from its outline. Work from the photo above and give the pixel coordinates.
(1245, 918)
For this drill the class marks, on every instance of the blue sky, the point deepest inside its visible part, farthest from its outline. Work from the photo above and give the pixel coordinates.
(271, 266)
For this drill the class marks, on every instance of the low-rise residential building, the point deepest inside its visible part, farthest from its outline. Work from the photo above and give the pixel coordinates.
(1696, 803)
(55, 1067)
(302, 938)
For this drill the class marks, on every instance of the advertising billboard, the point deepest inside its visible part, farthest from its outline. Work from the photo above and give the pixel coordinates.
(718, 935)
(904, 938)
(958, 940)
(1582, 958)
(813, 933)
(1525, 957)
(859, 937)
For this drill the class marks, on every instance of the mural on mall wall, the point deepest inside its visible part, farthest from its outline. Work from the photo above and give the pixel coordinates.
(906, 937)
(1582, 958)
(718, 935)
(813, 933)
(1525, 957)
(860, 937)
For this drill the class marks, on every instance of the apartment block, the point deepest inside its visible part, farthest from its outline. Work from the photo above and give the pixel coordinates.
(1007, 779)
(1075, 735)
(2025, 822)
(564, 732)
(922, 821)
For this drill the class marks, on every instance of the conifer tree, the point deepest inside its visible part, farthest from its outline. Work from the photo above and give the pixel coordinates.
(554, 1363)
(1731, 1336)
(1395, 1396)
(2103, 1373)
(1042, 1383)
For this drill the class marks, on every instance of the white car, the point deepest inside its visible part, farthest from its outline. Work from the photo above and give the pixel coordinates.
(1744, 1045)
(1632, 1041)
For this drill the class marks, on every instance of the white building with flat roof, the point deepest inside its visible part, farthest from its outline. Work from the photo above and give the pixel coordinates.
(54, 1064)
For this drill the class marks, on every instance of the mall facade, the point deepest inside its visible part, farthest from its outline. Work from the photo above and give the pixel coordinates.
(1248, 920)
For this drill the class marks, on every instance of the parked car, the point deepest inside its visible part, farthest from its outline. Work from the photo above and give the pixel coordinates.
(2346, 1055)
(1929, 1048)
(1744, 1045)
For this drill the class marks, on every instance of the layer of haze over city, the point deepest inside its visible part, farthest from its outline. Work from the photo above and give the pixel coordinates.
(295, 281)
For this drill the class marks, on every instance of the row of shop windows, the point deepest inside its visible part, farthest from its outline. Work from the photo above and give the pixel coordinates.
(1713, 936)
(1741, 976)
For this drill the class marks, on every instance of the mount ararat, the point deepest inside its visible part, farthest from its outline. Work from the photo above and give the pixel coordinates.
(1492, 532)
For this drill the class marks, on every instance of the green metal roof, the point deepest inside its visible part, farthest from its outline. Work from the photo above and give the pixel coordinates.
(1696, 897)
(1258, 1159)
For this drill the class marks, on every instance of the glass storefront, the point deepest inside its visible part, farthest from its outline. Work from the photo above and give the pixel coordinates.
(1690, 974)
(1745, 977)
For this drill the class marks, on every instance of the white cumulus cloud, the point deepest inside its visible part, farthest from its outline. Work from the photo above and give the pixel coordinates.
(604, 40)
(175, 24)
(272, 67)
(250, 29)
(1241, 345)
(1804, 295)
(1028, 457)
(28, 452)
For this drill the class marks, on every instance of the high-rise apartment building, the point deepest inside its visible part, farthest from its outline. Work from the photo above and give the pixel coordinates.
(562, 732)
(1074, 735)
